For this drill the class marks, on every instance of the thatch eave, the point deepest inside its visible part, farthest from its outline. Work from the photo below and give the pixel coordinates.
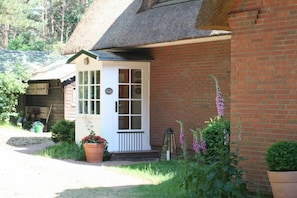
(213, 15)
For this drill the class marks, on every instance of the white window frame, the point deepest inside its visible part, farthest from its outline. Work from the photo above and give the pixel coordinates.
(89, 101)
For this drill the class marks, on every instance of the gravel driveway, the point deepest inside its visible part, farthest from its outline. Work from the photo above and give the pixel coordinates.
(25, 175)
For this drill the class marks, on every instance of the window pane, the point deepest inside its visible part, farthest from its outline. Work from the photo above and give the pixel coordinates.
(92, 107)
(136, 76)
(124, 91)
(136, 122)
(97, 77)
(80, 77)
(97, 107)
(136, 107)
(92, 92)
(97, 92)
(123, 75)
(80, 92)
(85, 107)
(92, 74)
(123, 107)
(123, 122)
(86, 79)
(136, 91)
(85, 92)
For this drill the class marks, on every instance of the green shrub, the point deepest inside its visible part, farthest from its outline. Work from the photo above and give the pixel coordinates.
(214, 170)
(282, 156)
(13, 83)
(63, 131)
(217, 136)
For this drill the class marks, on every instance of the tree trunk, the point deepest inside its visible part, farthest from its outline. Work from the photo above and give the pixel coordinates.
(5, 36)
(63, 20)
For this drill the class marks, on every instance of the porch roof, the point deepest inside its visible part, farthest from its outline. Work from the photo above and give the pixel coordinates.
(101, 55)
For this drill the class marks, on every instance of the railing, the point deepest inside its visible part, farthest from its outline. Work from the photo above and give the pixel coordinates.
(130, 141)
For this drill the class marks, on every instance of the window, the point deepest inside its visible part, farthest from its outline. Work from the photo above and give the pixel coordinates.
(168, 2)
(150, 4)
(89, 92)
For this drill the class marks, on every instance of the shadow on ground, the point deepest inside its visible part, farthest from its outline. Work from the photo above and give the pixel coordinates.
(26, 141)
(106, 192)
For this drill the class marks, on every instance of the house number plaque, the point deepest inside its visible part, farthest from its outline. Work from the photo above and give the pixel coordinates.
(108, 91)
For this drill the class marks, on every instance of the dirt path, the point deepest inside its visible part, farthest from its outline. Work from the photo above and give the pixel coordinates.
(24, 175)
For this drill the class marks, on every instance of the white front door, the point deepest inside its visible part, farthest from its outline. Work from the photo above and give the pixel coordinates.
(126, 90)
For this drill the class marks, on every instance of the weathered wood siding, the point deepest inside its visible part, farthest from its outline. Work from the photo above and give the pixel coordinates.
(55, 97)
(70, 101)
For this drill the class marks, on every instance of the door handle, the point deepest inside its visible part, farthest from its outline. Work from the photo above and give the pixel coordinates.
(116, 106)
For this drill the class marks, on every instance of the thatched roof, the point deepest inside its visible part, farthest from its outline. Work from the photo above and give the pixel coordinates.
(213, 15)
(98, 18)
(110, 24)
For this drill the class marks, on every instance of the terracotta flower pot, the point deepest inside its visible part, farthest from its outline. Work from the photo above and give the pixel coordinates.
(94, 152)
(283, 184)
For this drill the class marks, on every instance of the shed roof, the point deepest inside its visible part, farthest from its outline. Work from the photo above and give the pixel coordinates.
(58, 70)
(28, 59)
(110, 24)
(40, 64)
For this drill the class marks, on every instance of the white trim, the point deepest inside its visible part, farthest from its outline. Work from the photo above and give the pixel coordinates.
(186, 41)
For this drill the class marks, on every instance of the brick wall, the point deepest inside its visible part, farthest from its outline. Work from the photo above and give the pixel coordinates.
(181, 88)
(263, 79)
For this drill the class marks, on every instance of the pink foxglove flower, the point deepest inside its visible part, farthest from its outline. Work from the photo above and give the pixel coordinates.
(181, 138)
(220, 103)
(196, 147)
(219, 97)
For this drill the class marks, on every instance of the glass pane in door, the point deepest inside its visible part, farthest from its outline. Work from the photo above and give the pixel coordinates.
(130, 99)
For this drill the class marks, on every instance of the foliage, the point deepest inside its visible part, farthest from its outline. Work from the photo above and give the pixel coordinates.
(93, 138)
(38, 23)
(13, 83)
(63, 131)
(68, 150)
(27, 41)
(213, 170)
(282, 156)
(164, 176)
(65, 150)
(217, 135)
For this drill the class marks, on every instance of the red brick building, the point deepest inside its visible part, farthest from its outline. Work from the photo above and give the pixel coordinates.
(263, 75)
(255, 66)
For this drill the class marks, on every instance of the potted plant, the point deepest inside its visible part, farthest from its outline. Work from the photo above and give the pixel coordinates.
(281, 158)
(94, 146)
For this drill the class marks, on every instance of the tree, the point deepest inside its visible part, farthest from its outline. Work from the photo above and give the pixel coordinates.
(15, 19)
(13, 83)
(47, 22)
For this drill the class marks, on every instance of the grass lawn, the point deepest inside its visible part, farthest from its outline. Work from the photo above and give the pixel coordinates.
(164, 175)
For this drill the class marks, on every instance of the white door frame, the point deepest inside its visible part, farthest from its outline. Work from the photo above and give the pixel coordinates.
(138, 139)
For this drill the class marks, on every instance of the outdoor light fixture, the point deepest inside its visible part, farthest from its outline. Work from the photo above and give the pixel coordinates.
(86, 61)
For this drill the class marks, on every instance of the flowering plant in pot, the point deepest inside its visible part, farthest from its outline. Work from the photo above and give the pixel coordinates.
(93, 138)
(281, 159)
(94, 146)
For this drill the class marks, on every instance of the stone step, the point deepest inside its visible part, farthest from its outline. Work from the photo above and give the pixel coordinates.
(135, 155)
